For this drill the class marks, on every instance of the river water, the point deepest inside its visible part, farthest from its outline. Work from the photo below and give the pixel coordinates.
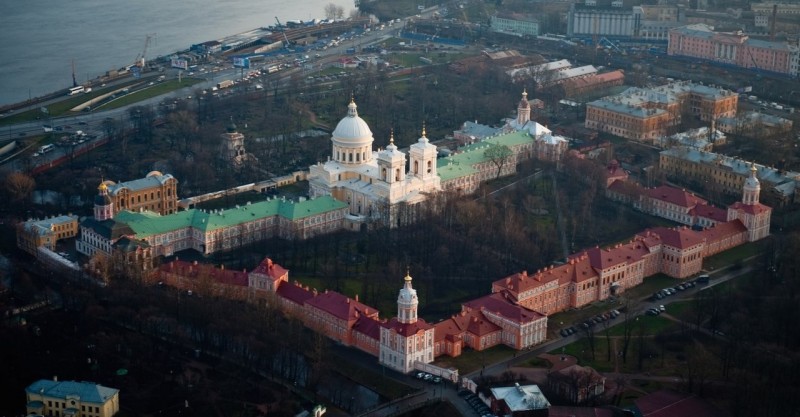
(40, 39)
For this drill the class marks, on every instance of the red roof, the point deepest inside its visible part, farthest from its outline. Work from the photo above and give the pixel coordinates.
(672, 195)
(667, 403)
(369, 327)
(753, 209)
(681, 237)
(294, 293)
(341, 307)
(270, 269)
(499, 304)
(406, 329)
(480, 326)
(452, 327)
(194, 270)
(710, 212)
(721, 231)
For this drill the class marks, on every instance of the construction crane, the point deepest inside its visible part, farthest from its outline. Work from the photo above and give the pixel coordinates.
(140, 59)
(283, 32)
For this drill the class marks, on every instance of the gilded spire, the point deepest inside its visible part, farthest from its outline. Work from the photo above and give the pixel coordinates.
(423, 128)
(352, 97)
(391, 136)
(408, 274)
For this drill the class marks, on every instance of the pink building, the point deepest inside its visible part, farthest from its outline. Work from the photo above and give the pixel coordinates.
(733, 48)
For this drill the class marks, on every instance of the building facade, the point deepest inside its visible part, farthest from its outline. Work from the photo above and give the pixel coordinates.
(645, 115)
(515, 25)
(55, 398)
(727, 174)
(216, 230)
(374, 184)
(155, 192)
(232, 150)
(733, 48)
(406, 339)
(33, 234)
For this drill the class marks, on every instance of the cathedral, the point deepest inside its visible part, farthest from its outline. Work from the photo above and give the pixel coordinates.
(374, 184)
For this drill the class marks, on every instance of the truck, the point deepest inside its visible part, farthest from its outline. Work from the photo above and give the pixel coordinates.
(224, 84)
(351, 50)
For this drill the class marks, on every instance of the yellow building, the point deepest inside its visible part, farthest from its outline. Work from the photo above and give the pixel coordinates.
(35, 233)
(645, 115)
(727, 174)
(70, 399)
(155, 192)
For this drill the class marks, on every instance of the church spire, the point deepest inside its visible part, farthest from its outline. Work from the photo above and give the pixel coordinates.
(407, 301)
(752, 187)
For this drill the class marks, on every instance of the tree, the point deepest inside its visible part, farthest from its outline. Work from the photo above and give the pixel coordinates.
(499, 155)
(19, 186)
(334, 12)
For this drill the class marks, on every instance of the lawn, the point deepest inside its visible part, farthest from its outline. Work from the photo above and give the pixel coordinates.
(735, 255)
(651, 285)
(471, 360)
(385, 386)
(62, 107)
(150, 92)
(653, 325)
(681, 310)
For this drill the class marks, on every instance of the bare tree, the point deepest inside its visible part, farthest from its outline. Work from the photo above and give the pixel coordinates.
(19, 186)
(334, 12)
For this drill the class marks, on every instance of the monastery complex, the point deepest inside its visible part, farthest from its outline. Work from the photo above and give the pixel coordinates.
(358, 188)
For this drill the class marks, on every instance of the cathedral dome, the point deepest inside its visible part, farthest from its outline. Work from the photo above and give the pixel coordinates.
(352, 130)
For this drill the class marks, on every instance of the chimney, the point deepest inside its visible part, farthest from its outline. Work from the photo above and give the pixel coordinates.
(55, 378)
(356, 297)
(222, 267)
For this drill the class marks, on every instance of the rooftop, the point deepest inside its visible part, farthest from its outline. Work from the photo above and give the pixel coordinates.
(86, 391)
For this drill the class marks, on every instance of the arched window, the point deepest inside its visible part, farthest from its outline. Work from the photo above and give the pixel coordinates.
(416, 167)
(351, 157)
(383, 174)
(430, 167)
(397, 174)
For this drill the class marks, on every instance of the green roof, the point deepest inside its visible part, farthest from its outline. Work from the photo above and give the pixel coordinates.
(462, 164)
(146, 224)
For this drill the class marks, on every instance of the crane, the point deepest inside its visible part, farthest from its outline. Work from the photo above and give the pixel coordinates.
(140, 59)
(283, 32)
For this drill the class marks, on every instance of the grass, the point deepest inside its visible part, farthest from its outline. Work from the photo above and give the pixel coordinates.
(386, 387)
(471, 360)
(681, 310)
(734, 255)
(150, 92)
(652, 325)
(651, 285)
(62, 107)
(536, 363)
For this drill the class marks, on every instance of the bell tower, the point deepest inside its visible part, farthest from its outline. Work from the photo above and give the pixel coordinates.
(407, 302)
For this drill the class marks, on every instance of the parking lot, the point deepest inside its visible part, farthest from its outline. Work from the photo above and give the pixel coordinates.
(476, 403)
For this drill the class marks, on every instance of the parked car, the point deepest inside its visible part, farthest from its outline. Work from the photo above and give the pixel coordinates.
(662, 308)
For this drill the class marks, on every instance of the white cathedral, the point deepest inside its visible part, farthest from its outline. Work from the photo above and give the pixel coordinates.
(375, 184)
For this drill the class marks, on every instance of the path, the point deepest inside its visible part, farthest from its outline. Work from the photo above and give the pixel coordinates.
(560, 220)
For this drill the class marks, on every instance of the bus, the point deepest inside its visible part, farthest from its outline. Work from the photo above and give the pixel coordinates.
(46, 148)
(75, 90)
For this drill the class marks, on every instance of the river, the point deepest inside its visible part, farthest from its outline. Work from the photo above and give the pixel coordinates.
(42, 38)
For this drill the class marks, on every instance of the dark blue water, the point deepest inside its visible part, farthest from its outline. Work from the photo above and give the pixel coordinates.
(39, 39)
